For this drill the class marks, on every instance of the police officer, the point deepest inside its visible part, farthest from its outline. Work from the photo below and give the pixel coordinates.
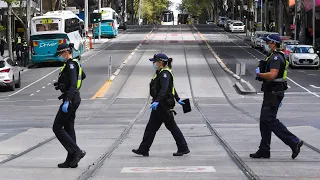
(69, 83)
(163, 96)
(24, 53)
(18, 46)
(273, 74)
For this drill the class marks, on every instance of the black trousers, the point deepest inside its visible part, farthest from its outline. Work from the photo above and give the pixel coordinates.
(1, 50)
(63, 126)
(269, 122)
(157, 117)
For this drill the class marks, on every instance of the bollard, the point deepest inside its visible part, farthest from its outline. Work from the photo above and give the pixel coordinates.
(90, 42)
(110, 69)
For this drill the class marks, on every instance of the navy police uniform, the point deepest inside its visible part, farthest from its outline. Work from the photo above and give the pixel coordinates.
(273, 95)
(162, 90)
(69, 83)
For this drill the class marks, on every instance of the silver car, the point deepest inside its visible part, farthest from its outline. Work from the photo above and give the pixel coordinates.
(304, 56)
(9, 74)
(255, 39)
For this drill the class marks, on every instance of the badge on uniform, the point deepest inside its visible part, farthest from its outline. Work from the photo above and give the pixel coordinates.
(71, 66)
(165, 75)
(275, 58)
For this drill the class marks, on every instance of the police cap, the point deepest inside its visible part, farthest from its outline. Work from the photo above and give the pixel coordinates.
(159, 57)
(273, 38)
(61, 48)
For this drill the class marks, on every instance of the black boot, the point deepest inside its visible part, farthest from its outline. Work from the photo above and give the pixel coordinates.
(139, 152)
(261, 154)
(181, 153)
(77, 156)
(296, 150)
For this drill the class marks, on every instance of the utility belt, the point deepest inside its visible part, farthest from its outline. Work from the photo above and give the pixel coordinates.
(64, 95)
(274, 86)
(168, 104)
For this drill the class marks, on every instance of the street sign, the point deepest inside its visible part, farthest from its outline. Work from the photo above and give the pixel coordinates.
(195, 169)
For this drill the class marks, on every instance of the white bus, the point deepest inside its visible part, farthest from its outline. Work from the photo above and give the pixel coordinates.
(167, 18)
(52, 29)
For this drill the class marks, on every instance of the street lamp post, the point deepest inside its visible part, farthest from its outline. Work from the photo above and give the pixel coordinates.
(99, 31)
(261, 15)
(86, 7)
(295, 20)
(313, 22)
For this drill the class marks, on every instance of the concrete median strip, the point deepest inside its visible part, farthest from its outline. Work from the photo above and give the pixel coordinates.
(249, 88)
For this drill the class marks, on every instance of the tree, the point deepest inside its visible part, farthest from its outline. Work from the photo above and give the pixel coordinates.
(196, 8)
(153, 8)
(9, 34)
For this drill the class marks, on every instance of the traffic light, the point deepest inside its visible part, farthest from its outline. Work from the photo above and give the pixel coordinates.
(245, 14)
(95, 17)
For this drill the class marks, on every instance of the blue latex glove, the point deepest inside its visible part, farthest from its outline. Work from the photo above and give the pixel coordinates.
(280, 104)
(65, 106)
(257, 70)
(154, 105)
(181, 102)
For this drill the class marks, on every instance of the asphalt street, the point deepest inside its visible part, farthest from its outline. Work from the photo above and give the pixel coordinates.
(221, 130)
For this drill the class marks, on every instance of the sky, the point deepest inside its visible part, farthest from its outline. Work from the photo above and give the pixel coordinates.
(173, 7)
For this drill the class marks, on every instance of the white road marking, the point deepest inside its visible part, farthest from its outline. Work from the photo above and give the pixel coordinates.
(316, 87)
(312, 74)
(38, 91)
(48, 84)
(195, 169)
(43, 87)
(31, 94)
(287, 77)
(303, 87)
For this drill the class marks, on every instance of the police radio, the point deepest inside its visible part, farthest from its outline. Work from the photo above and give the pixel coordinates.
(262, 66)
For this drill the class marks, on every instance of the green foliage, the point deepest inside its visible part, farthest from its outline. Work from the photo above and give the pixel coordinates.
(10, 1)
(195, 7)
(2, 28)
(152, 8)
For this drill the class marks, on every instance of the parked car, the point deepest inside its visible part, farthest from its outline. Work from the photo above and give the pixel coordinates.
(9, 74)
(209, 22)
(226, 24)
(221, 20)
(304, 56)
(287, 46)
(256, 38)
(236, 26)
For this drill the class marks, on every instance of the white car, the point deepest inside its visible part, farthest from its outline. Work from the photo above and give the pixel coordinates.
(237, 26)
(256, 38)
(9, 74)
(304, 56)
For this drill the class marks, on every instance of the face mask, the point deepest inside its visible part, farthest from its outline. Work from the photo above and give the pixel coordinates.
(267, 48)
(155, 66)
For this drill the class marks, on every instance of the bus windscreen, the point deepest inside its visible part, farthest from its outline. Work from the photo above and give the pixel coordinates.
(47, 27)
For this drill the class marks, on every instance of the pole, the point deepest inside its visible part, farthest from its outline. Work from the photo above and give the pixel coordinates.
(41, 13)
(86, 7)
(261, 15)
(27, 38)
(99, 31)
(139, 11)
(295, 20)
(313, 22)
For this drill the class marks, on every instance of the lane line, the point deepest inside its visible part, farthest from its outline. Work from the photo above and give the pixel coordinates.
(287, 76)
(56, 70)
(103, 90)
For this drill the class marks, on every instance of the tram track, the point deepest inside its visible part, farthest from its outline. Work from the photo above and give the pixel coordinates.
(92, 169)
(233, 155)
(96, 113)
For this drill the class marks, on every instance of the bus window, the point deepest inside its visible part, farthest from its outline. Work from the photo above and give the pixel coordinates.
(47, 27)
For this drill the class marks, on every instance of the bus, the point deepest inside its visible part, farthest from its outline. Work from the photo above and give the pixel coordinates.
(52, 29)
(167, 18)
(183, 18)
(109, 23)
